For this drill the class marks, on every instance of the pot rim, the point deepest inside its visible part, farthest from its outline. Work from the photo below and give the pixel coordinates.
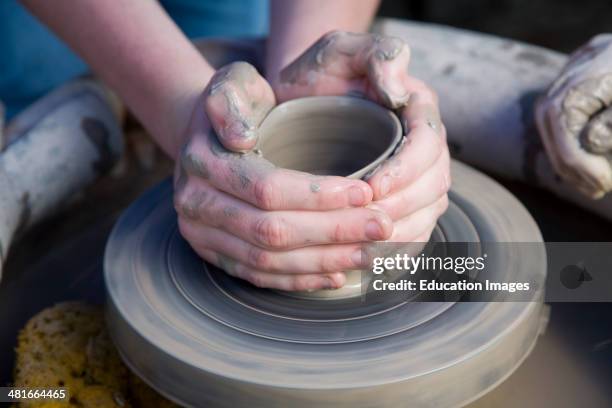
(332, 101)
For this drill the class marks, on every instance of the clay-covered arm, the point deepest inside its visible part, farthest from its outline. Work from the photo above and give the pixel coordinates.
(138, 50)
(296, 25)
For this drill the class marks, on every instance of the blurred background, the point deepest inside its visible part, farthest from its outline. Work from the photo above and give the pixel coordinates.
(558, 24)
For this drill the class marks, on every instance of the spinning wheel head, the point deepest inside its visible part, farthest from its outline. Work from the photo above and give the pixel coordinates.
(203, 338)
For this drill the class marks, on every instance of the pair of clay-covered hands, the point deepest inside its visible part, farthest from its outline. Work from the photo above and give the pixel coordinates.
(269, 225)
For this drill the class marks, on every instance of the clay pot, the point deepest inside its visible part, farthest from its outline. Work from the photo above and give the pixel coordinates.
(330, 135)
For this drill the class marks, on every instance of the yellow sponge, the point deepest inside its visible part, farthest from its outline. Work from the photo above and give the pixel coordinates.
(68, 346)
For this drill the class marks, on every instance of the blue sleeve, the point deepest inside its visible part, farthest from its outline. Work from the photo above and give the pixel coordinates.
(34, 61)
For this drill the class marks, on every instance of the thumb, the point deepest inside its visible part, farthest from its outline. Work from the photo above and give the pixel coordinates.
(236, 101)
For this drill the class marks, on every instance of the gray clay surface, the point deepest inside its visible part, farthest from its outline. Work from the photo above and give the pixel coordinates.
(205, 339)
(330, 135)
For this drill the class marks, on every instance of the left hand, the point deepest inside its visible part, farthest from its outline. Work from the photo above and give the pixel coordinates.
(411, 186)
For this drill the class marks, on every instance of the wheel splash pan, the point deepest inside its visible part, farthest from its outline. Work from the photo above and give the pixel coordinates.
(202, 338)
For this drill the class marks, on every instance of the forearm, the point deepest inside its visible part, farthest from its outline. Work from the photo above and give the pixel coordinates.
(137, 50)
(295, 25)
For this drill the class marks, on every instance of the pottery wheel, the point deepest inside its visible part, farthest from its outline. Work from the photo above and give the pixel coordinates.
(203, 338)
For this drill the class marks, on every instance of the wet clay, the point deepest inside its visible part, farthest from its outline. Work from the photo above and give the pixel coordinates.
(330, 135)
(597, 134)
(339, 52)
(234, 119)
(574, 122)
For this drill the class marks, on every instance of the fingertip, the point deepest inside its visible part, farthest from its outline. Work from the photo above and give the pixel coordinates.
(379, 225)
(386, 225)
(237, 137)
(389, 79)
(336, 280)
(238, 144)
(381, 185)
(360, 194)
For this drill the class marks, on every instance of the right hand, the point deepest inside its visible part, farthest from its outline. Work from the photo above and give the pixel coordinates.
(574, 118)
(274, 227)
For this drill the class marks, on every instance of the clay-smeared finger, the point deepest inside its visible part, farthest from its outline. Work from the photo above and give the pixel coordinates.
(279, 230)
(422, 108)
(236, 101)
(322, 259)
(274, 280)
(425, 141)
(596, 136)
(346, 63)
(425, 191)
(255, 180)
(420, 150)
(572, 144)
(587, 113)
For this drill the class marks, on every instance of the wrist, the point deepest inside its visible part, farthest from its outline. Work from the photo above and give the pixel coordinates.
(177, 101)
(181, 108)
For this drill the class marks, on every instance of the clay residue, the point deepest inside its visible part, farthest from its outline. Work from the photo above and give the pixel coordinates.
(536, 58)
(449, 69)
(191, 206)
(241, 174)
(337, 54)
(226, 263)
(97, 132)
(585, 100)
(194, 165)
(242, 166)
(338, 44)
(596, 137)
(231, 211)
(237, 100)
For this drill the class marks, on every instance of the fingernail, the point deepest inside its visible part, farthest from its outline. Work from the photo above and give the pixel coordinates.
(356, 258)
(328, 283)
(385, 185)
(374, 230)
(356, 196)
(389, 49)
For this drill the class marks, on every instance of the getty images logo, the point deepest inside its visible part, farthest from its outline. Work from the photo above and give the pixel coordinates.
(573, 276)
